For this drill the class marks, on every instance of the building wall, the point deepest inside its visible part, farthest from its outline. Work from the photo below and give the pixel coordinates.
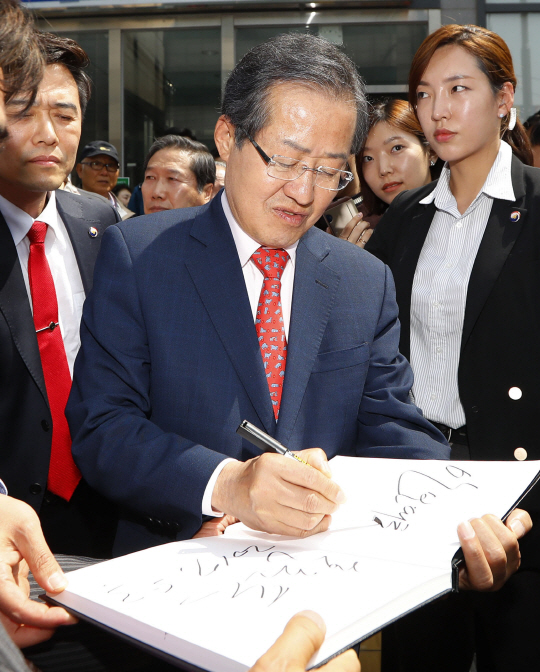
(156, 69)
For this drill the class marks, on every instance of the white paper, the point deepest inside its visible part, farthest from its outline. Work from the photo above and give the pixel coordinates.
(418, 505)
(220, 602)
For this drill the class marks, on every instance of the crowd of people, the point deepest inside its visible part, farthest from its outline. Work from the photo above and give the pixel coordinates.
(211, 295)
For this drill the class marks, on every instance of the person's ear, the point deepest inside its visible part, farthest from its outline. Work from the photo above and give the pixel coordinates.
(79, 170)
(506, 98)
(224, 137)
(207, 191)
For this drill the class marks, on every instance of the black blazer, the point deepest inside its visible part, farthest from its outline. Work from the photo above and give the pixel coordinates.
(500, 346)
(25, 418)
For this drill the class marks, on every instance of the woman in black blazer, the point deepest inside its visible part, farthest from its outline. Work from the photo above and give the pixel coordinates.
(464, 252)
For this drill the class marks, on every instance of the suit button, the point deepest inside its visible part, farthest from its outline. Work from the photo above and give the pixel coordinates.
(515, 393)
(45, 426)
(474, 409)
(35, 489)
(520, 454)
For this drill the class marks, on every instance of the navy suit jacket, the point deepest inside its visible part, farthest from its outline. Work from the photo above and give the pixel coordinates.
(170, 365)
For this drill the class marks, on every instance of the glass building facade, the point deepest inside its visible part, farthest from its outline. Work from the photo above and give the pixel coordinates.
(154, 72)
(521, 31)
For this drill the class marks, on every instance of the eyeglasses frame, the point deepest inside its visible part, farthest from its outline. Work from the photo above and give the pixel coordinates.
(270, 160)
(104, 165)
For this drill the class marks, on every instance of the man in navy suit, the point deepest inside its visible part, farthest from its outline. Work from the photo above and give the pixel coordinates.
(171, 361)
(173, 352)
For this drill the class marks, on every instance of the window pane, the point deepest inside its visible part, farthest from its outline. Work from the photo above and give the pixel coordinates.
(382, 52)
(496, 2)
(247, 38)
(172, 78)
(96, 121)
(520, 32)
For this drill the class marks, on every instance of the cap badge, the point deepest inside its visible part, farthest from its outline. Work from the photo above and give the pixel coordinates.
(515, 216)
(105, 149)
(92, 232)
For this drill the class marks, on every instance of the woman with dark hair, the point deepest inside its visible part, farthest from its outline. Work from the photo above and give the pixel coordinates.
(464, 252)
(395, 157)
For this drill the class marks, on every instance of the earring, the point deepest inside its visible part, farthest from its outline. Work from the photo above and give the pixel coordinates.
(513, 119)
(432, 162)
(501, 115)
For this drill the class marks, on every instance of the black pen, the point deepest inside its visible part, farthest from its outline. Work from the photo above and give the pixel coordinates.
(265, 442)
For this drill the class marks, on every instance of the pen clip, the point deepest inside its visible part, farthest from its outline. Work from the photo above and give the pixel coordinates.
(260, 439)
(265, 442)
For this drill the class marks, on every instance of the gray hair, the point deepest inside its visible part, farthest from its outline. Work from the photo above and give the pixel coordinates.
(297, 58)
(202, 163)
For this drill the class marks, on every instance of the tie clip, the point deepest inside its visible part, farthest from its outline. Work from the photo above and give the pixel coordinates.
(52, 326)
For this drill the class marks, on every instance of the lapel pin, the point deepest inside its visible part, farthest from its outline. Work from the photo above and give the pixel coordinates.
(515, 216)
(93, 233)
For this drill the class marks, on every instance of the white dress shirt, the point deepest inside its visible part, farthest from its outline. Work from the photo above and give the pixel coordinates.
(62, 262)
(246, 246)
(439, 290)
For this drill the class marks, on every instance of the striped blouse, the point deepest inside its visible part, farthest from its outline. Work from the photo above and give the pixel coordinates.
(440, 286)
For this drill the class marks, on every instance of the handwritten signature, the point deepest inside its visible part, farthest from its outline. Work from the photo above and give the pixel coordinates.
(418, 487)
(226, 578)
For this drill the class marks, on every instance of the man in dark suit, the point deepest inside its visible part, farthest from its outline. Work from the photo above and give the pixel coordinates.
(45, 280)
(196, 315)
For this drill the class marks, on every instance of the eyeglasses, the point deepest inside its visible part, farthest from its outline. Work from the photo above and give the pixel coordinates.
(287, 169)
(99, 165)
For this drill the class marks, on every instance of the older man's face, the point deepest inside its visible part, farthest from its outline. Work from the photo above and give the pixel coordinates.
(98, 174)
(169, 182)
(305, 125)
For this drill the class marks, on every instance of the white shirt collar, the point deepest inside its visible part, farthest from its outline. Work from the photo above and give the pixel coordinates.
(498, 183)
(20, 222)
(245, 244)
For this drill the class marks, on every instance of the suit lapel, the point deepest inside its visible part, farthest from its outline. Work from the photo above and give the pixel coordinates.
(497, 243)
(405, 268)
(15, 306)
(315, 287)
(78, 226)
(216, 272)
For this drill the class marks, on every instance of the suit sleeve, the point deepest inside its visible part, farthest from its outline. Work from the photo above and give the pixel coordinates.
(119, 450)
(390, 425)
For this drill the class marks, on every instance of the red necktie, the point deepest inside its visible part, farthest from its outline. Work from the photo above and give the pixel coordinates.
(269, 320)
(63, 473)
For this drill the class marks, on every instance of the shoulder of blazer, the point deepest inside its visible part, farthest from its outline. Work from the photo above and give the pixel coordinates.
(86, 207)
(159, 229)
(85, 219)
(525, 180)
(397, 221)
(411, 198)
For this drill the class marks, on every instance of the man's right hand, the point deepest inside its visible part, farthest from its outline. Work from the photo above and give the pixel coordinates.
(23, 546)
(275, 494)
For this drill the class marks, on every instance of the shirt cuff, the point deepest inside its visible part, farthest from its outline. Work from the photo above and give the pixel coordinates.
(3, 489)
(207, 509)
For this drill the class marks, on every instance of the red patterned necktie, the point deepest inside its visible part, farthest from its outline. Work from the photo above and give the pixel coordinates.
(269, 320)
(63, 473)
